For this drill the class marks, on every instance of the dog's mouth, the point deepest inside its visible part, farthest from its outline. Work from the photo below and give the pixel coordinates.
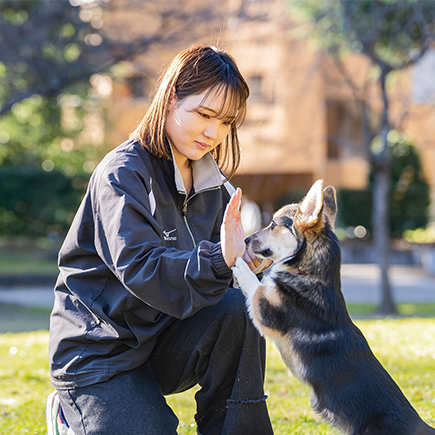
(256, 248)
(264, 253)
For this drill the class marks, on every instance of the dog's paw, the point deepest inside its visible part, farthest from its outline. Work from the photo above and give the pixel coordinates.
(246, 279)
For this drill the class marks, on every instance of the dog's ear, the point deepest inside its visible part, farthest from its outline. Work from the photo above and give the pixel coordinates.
(330, 204)
(309, 210)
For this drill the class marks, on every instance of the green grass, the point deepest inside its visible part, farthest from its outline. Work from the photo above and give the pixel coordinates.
(22, 256)
(361, 311)
(19, 263)
(406, 347)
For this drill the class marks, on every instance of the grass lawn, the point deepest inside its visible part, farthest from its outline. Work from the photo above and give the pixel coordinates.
(19, 263)
(21, 256)
(406, 347)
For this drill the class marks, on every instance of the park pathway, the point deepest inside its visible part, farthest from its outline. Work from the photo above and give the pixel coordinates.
(360, 284)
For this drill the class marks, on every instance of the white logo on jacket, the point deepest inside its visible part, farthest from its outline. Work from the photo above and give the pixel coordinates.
(167, 235)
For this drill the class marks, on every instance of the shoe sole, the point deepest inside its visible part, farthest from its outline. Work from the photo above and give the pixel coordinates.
(49, 417)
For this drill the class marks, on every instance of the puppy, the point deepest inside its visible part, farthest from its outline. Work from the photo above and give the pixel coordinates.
(299, 305)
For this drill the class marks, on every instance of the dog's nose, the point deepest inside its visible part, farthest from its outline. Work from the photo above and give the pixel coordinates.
(248, 240)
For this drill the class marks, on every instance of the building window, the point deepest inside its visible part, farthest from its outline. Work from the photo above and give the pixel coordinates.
(137, 86)
(344, 131)
(255, 88)
(423, 79)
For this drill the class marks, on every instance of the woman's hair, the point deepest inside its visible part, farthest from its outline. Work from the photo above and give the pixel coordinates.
(195, 70)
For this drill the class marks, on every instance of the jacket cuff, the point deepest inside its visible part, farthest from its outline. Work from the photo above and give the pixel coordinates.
(218, 262)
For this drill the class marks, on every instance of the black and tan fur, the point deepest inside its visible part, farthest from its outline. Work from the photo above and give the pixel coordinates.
(299, 305)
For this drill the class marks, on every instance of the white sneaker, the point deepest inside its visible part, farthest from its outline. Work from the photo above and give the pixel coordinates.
(56, 422)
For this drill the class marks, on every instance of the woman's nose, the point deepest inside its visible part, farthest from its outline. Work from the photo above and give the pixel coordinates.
(211, 130)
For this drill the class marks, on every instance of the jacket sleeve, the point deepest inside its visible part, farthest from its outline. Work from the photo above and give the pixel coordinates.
(173, 281)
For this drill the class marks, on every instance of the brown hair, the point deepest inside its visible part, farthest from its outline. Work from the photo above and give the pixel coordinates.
(195, 70)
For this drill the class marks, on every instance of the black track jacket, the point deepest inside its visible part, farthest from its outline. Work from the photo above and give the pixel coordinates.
(139, 253)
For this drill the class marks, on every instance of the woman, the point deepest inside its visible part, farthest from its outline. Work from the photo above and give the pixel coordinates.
(143, 307)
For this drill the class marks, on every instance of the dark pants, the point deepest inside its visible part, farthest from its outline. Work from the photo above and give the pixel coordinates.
(217, 348)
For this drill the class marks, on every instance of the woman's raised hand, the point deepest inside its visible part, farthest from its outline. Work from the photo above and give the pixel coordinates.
(232, 233)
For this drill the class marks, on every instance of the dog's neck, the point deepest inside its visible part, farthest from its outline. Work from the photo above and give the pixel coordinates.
(296, 271)
(324, 267)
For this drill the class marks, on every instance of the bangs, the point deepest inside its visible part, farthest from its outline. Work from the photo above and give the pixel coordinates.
(233, 102)
(215, 73)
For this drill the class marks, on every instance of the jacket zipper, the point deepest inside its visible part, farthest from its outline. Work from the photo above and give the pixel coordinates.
(184, 211)
(187, 223)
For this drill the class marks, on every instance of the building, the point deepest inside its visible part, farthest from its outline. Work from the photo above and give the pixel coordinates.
(302, 122)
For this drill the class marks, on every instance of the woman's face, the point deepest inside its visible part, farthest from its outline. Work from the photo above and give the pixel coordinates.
(193, 127)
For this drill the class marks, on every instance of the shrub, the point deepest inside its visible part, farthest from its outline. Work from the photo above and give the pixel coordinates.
(37, 203)
(409, 194)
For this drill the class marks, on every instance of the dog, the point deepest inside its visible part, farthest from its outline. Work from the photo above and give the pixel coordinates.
(299, 304)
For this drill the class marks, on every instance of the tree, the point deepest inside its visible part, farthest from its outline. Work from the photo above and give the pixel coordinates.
(392, 35)
(409, 192)
(409, 196)
(51, 51)
(47, 45)
(54, 56)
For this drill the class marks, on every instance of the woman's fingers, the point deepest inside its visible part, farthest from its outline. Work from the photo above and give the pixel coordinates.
(232, 234)
(232, 209)
(233, 237)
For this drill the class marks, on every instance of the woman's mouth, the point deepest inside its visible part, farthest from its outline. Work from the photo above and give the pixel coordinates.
(201, 145)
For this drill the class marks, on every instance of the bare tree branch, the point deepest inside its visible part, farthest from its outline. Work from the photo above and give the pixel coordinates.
(39, 44)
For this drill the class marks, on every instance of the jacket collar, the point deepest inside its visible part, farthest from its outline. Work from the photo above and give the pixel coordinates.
(205, 171)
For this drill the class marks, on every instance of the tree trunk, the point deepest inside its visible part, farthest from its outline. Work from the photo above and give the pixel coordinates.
(381, 234)
(381, 164)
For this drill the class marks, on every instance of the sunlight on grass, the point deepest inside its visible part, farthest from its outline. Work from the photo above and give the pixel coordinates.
(406, 347)
(24, 382)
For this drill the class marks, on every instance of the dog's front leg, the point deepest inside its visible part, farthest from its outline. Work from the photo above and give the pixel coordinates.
(249, 284)
(247, 280)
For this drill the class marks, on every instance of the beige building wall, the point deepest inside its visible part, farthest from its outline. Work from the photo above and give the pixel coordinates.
(286, 132)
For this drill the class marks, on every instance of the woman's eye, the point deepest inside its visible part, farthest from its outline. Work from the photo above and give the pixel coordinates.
(204, 115)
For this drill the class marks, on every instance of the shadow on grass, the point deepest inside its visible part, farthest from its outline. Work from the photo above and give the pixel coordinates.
(16, 318)
(368, 311)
